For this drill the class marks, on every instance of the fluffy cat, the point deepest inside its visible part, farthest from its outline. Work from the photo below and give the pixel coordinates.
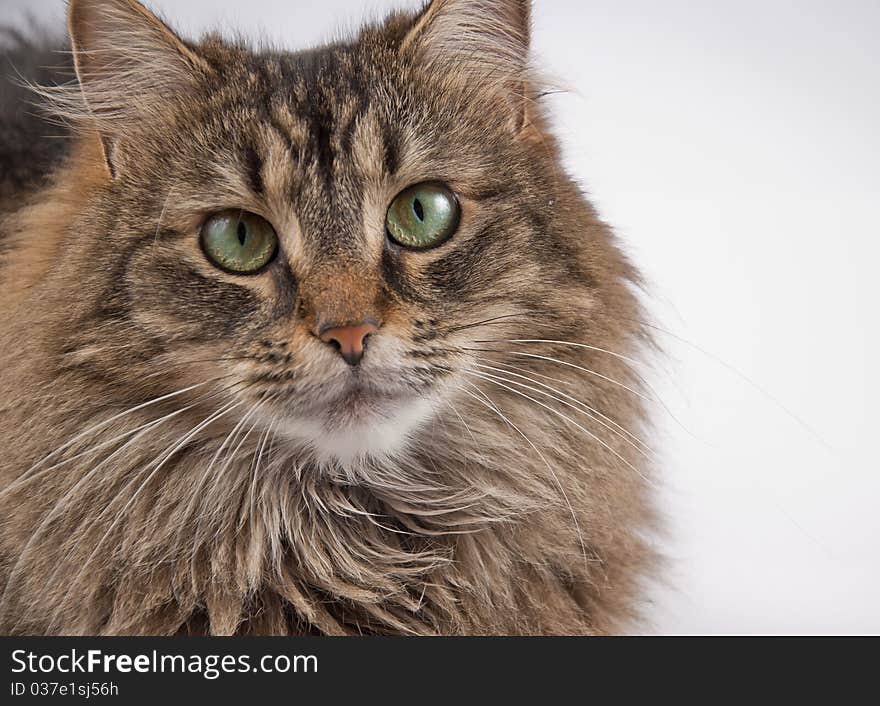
(322, 342)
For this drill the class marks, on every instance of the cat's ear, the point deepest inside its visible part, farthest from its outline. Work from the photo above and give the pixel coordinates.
(127, 60)
(486, 39)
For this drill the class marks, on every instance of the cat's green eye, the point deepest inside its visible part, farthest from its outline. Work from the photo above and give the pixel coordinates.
(239, 242)
(423, 216)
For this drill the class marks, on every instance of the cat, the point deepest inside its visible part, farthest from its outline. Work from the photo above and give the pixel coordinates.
(324, 342)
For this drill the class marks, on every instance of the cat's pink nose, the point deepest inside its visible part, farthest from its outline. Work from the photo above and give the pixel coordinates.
(349, 340)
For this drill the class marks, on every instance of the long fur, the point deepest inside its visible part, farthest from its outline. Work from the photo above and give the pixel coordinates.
(165, 426)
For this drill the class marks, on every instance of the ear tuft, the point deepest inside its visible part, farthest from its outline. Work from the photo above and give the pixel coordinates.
(487, 39)
(126, 57)
(127, 62)
(490, 31)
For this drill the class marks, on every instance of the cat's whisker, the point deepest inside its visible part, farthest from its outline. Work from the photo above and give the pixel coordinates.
(63, 502)
(521, 318)
(150, 473)
(465, 424)
(35, 472)
(485, 322)
(88, 452)
(24, 477)
(529, 372)
(31, 400)
(568, 419)
(230, 457)
(733, 370)
(585, 346)
(625, 435)
(112, 419)
(197, 494)
(255, 469)
(550, 359)
(656, 397)
(488, 403)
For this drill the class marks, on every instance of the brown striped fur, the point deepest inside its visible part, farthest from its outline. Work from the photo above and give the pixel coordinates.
(176, 439)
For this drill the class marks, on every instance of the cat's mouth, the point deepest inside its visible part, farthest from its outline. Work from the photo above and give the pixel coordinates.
(356, 400)
(360, 405)
(361, 399)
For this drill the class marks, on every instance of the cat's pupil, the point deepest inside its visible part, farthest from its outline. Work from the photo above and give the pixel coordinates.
(419, 210)
(242, 233)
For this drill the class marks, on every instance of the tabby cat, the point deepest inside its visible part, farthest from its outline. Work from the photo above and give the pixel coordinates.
(323, 342)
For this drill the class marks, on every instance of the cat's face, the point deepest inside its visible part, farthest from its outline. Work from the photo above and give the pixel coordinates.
(304, 155)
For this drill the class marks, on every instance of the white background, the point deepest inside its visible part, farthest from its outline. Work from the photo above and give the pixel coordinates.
(734, 146)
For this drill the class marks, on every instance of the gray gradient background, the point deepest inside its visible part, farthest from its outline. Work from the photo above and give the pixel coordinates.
(734, 145)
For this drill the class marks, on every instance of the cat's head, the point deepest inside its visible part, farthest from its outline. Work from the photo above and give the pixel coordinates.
(326, 236)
